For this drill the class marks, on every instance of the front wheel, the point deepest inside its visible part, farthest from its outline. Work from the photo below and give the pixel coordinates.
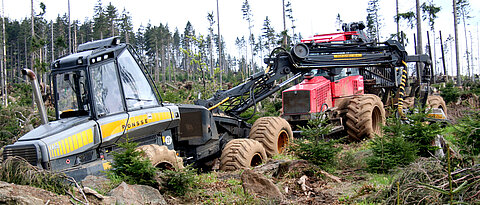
(365, 117)
(241, 154)
(273, 132)
(162, 157)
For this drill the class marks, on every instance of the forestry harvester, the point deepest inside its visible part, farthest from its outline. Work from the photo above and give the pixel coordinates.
(103, 96)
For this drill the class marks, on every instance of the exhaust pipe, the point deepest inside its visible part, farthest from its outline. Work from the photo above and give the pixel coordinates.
(36, 94)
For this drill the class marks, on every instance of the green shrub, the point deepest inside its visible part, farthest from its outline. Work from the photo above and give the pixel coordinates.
(421, 132)
(130, 166)
(467, 134)
(15, 121)
(389, 153)
(313, 148)
(179, 182)
(403, 141)
(450, 93)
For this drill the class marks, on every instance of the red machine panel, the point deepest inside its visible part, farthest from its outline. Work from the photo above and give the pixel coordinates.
(308, 96)
(342, 36)
(351, 85)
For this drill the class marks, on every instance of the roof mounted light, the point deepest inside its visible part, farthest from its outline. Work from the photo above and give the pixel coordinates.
(101, 57)
(80, 61)
(104, 43)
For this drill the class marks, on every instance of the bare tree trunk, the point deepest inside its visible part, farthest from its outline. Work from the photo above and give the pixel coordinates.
(478, 47)
(163, 64)
(457, 56)
(4, 64)
(69, 31)
(419, 40)
(75, 38)
(434, 53)
(284, 42)
(219, 48)
(397, 19)
(443, 57)
(471, 56)
(466, 47)
(51, 40)
(33, 36)
(156, 77)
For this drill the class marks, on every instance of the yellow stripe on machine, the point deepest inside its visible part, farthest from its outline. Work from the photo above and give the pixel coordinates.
(90, 137)
(79, 139)
(112, 128)
(84, 139)
(75, 141)
(62, 145)
(358, 55)
(71, 143)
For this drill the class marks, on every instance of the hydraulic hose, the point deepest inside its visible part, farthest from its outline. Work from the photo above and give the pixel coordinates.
(402, 89)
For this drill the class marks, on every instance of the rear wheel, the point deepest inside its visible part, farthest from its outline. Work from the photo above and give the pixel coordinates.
(433, 101)
(436, 101)
(273, 132)
(365, 117)
(162, 157)
(242, 153)
(408, 102)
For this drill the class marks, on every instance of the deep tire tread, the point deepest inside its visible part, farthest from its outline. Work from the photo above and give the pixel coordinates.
(359, 116)
(158, 154)
(238, 154)
(266, 130)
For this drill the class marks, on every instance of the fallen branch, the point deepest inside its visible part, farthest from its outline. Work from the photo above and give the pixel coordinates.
(336, 179)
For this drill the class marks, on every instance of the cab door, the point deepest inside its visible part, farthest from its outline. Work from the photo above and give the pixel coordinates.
(147, 118)
(108, 102)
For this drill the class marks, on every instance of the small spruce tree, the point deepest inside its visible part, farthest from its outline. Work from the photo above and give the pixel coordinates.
(130, 165)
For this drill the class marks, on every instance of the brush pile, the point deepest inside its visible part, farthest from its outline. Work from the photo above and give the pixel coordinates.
(426, 181)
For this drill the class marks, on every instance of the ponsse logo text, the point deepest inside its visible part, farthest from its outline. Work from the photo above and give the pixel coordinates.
(135, 124)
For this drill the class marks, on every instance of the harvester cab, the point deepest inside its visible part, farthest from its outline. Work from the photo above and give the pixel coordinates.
(101, 97)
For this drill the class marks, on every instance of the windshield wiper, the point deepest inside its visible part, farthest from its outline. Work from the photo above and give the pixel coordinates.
(139, 99)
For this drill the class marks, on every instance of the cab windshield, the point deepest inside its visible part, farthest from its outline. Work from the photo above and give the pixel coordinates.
(343, 72)
(72, 98)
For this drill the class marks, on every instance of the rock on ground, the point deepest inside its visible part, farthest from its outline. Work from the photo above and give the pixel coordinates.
(255, 183)
(22, 194)
(136, 194)
(99, 183)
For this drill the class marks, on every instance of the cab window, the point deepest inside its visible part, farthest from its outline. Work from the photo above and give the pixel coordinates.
(137, 90)
(71, 98)
(106, 90)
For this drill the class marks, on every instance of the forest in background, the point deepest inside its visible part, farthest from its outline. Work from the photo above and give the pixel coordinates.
(178, 54)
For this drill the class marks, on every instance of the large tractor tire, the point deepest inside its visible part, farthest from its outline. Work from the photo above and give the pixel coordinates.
(162, 157)
(365, 117)
(273, 132)
(408, 102)
(241, 154)
(436, 101)
(433, 101)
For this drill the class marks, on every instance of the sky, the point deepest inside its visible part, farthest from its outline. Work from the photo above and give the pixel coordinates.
(311, 16)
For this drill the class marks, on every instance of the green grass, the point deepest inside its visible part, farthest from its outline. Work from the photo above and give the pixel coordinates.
(207, 178)
(381, 180)
(231, 195)
(234, 182)
(285, 157)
